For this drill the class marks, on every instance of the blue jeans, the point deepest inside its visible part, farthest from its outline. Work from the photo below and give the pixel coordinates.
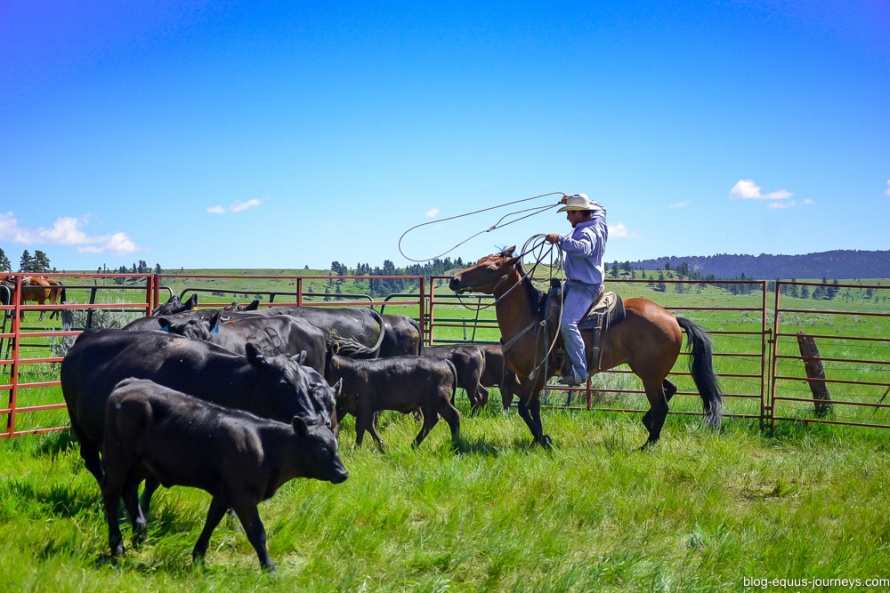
(577, 301)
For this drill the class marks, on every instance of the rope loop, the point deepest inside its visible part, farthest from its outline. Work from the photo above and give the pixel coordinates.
(499, 224)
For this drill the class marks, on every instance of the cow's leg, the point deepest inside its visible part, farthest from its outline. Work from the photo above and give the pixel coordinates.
(115, 485)
(483, 395)
(131, 501)
(256, 532)
(372, 428)
(111, 494)
(215, 513)
(151, 485)
(430, 418)
(452, 417)
(362, 423)
(89, 452)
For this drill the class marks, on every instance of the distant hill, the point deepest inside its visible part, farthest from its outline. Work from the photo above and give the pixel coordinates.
(829, 264)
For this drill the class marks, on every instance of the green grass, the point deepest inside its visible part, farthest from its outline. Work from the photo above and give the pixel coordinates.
(699, 512)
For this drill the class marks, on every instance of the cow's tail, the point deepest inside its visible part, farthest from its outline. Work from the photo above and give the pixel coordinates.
(416, 325)
(353, 348)
(453, 379)
(379, 319)
(702, 369)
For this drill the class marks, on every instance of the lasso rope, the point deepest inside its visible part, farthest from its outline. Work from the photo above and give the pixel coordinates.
(499, 224)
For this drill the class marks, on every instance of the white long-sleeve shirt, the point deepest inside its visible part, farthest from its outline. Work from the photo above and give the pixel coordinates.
(584, 249)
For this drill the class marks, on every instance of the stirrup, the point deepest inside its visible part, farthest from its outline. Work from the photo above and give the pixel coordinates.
(572, 379)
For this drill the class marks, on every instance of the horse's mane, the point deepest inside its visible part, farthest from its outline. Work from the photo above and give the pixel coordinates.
(535, 296)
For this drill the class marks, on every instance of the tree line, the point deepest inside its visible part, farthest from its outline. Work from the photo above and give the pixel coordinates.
(39, 263)
(382, 287)
(738, 286)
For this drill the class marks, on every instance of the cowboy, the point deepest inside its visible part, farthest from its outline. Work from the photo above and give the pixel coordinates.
(584, 249)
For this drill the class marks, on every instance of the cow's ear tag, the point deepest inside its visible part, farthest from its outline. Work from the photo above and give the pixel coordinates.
(215, 330)
(165, 329)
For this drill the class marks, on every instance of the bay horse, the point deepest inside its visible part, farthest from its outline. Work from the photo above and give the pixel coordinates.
(40, 290)
(648, 339)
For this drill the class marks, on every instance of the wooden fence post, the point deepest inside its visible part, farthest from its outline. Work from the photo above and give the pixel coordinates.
(812, 362)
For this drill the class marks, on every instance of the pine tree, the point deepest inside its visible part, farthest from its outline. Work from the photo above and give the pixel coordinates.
(5, 264)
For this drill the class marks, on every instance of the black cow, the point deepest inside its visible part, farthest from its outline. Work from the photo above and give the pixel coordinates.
(497, 374)
(352, 331)
(469, 361)
(401, 383)
(175, 305)
(401, 336)
(238, 458)
(236, 306)
(274, 387)
(152, 322)
(281, 334)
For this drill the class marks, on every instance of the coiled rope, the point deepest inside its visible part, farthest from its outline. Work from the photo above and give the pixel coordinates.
(499, 224)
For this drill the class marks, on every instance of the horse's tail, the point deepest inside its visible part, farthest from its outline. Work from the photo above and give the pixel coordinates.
(702, 369)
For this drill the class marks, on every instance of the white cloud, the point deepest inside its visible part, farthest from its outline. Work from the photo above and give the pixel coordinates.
(65, 231)
(778, 195)
(432, 213)
(242, 206)
(682, 204)
(236, 207)
(791, 204)
(887, 191)
(621, 231)
(117, 244)
(10, 230)
(745, 189)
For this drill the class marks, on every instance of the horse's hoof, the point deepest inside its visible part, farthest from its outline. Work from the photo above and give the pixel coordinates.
(546, 442)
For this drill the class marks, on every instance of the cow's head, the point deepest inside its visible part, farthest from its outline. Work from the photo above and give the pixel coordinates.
(285, 384)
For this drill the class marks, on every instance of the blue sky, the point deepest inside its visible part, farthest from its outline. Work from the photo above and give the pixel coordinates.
(285, 134)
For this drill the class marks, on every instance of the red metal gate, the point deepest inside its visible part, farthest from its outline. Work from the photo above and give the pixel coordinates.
(754, 326)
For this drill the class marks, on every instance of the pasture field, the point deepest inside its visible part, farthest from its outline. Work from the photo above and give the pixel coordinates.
(798, 507)
(701, 511)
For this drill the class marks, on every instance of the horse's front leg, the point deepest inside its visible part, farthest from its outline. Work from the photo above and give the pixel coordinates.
(530, 410)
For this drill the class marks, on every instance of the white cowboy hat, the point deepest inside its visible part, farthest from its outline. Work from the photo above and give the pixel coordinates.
(579, 202)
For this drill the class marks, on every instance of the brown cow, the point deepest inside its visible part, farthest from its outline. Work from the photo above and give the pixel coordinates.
(238, 458)
(400, 383)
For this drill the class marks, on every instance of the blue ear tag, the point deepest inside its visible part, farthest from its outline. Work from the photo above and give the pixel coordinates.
(165, 329)
(215, 330)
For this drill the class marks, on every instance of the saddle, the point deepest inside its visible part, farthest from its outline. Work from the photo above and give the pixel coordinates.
(606, 311)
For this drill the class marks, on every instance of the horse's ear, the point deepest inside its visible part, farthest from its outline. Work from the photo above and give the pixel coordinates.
(509, 251)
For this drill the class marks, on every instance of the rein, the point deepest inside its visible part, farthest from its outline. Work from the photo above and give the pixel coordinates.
(535, 324)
